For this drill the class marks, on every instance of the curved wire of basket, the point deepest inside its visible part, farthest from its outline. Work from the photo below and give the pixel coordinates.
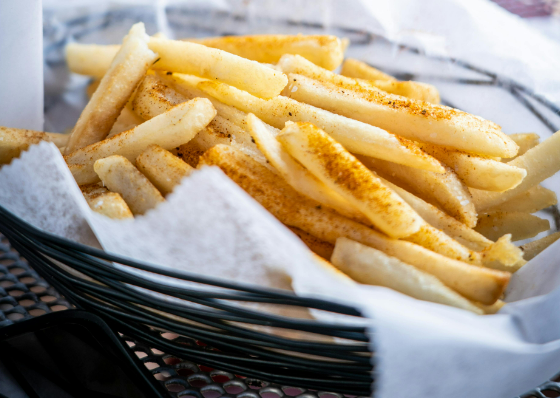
(88, 278)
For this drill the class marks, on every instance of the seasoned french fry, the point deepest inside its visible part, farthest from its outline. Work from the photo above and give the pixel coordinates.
(525, 141)
(532, 249)
(323, 50)
(445, 190)
(153, 98)
(119, 175)
(519, 225)
(503, 255)
(412, 119)
(344, 174)
(373, 267)
(293, 209)
(127, 120)
(360, 70)
(355, 136)
(129, 65)
(162, 168)
(317, 246)
(540, 162)
(169, 130)
(530, 201)
(90, 59)
(477, 171)
(15, 141)
(199, 60)
(102, 201)
(290, 63)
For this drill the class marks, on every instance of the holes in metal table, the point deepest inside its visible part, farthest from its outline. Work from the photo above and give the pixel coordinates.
(212, 391)
(550, 393)
(234, 387)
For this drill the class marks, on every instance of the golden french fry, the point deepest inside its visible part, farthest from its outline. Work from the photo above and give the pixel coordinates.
(444, 190)
(169, 130)
(14, 141)
(153, 98)
(102, 201)
(360, 70)
(127, 120)
(525, 141)
(92, 87)
(355, 136)
(519, 225)
(90, 59)
(129, 65)
(530, 201)
(162, 168)
(344, 174)
(503, 255)
(490, 309)
(199, 60)
(540, 162)
(317, 246)
(373, 267)
(119, 175)
(477, 171)
(532, 249)
(290, 63)
(412, 119)
(323, 50)
(293, 209)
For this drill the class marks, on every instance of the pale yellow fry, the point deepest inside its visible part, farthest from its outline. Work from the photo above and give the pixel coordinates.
(199, 60)
(355, 136)
(294, 173)
(127, 120)
(373, 267)
(162, 168)
(412, 119)
(293, 209)
(14, 141)
(503, 255)
(317, 246)
(169, 130)
(477, 171)
(358, 69)
(102, 201)
(119, 175)
(129, 65)
(443, 190)
(540, 162)
(490, 309)
(530, 201)
(298, 65)
(519, 225)
(90, 59)
(532, 249)
(323, 50)
(525, 141)
(344, 174)
(153, 97)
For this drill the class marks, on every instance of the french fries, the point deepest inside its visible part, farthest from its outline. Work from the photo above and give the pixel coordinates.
(317, 246)
(163, 169)
(102, 201)
(355, 136)
(344, 174)
(532, 249)
(519, 225)
(525, 141)
(90, 59)
(412, 119)
(541, 162)
(360, 70)
(127, 120)
(373, 267)
(15, 141)
(323, 50)
(168, 130)
(119, 175)
(127, 68)
(530, 201)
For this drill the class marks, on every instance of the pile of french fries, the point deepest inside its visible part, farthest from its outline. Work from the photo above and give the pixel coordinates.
(372, 173)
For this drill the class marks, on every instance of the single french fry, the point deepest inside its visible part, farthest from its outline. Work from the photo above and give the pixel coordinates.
(412, 119)
(129, 65)
(119, 175)
(503, 255)
(92, 87)
(323, 50)
(317, 246)
(344, 174)
(532, 249)
(127, 120)
(162, 168)
(373, 267)
(477, 171)
(519, 225)
(102, 201)
(360, 70)
(443, 190)
(153, 98)
(14, 141)
(90, 59)
(355, 136)
(490, 309)
(540, 162)
(169, 130)
(199, 60)
(290, 63)
(525, 141)
(530, 201)
(293, 209)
